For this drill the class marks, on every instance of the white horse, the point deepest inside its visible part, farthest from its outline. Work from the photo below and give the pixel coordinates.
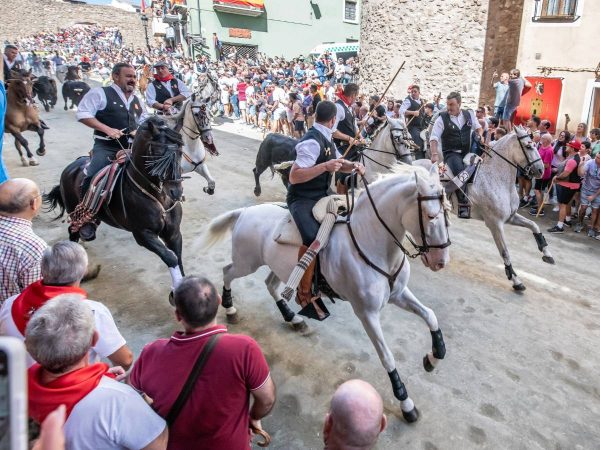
(193, 123)
(494, 196)
(390, 145)
(364, 261)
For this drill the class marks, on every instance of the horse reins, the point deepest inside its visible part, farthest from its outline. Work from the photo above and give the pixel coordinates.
(525, 169)
(420, 249)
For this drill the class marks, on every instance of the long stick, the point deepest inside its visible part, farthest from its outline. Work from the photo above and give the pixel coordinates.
(546, 197)
(374, 108)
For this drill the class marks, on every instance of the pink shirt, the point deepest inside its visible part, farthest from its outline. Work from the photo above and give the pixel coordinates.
(570, 166)
(547, 154)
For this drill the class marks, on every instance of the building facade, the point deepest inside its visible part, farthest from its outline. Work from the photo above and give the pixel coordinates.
(456, 45)
(557, 46)
(273, 27)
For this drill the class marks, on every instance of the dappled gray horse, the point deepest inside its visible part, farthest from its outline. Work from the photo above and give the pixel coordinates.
(364, 261)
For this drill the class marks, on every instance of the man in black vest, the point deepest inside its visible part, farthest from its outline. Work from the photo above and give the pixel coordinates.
(316, 160)
(165, 90)
(113, 112)
(345, 128)
(12, 60)
(452, 130)
(412, 111)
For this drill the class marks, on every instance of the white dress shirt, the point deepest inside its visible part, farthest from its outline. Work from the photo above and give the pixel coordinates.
(95, 100)
(151, 91)
(307, 152)
(459, 121)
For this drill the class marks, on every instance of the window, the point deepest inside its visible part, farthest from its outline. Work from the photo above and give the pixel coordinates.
(555, 11)
(351, 11)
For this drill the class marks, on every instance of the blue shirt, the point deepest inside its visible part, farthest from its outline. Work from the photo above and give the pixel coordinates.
(501, 90)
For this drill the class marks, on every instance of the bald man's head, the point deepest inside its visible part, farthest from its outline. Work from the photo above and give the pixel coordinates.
(355, 417)
(19, 197)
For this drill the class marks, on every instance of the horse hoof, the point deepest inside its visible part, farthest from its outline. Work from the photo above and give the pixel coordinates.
(209, 191)
(427, 364)
(47, 108)
(233, 318)
(171, 299)
(548, 259)
(24, 162)
(519, 287)
(41, 151)
(411, 416)
(257, 192)
(66, 108)
(33, 162)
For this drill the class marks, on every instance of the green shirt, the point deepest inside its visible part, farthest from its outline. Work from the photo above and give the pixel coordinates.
(595, 148)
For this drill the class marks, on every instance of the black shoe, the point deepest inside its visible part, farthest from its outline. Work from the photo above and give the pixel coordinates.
(88, 231)
(523, 203)
(568, 223)
(533, 212)
(556, 229)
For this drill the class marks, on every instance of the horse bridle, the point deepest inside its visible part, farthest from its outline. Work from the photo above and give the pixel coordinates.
(420, 249)
(395, 142)
(527, 169)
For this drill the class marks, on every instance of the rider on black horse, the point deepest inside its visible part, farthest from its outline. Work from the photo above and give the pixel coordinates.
(453, 129)
(114, 113)
(316, 160)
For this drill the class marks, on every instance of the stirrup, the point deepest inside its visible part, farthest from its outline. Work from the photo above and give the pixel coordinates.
(315, 310)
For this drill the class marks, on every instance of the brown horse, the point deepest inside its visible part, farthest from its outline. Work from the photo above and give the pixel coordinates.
(144, 78)
(22, 115)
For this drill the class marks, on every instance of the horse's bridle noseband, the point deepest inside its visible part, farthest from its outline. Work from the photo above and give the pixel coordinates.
(395, 142)
(527, 169)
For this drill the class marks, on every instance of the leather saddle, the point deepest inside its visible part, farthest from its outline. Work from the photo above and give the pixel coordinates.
(286, 231)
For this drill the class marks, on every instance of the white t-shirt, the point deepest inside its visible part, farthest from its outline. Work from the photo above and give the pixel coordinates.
(279, 95)
(109, 338)
(112, 416)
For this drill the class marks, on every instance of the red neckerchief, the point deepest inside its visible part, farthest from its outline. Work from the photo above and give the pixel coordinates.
(165, 79)
(33, 297)
(343, 98)
(66, 390)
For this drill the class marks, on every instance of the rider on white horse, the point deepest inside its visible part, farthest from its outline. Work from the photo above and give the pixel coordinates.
(165, 90)
(316, 160)
(453, 129)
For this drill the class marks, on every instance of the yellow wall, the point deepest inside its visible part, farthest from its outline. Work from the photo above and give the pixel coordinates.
(571, 45)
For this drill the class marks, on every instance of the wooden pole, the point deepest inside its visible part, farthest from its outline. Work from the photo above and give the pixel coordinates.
(545, 197)
(374, 108)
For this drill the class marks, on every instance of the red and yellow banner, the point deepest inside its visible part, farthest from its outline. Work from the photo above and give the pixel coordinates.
(542, 100)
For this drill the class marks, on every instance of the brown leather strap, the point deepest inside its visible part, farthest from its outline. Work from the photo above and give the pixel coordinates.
(191, 381)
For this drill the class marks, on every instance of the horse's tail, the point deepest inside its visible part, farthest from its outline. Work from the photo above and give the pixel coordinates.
(220, 227)
(54, 199)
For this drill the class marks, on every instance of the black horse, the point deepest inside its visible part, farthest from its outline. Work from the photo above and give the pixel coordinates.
(146, 199)
(74, 90)
(274, 149)
(46, 91)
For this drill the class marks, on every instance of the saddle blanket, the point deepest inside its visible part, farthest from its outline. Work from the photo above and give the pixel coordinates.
(286, 231)
(453, 183)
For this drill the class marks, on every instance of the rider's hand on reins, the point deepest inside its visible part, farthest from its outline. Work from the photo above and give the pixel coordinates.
(113, 133)
(333, 165)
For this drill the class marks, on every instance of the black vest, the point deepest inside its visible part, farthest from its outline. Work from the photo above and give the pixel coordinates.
(415, 121)
(574, 176)
(116, 115)
(454, 138)
(316, 188)
(162, 94)
(346, 126)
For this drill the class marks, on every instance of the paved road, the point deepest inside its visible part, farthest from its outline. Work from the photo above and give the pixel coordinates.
(521, 371)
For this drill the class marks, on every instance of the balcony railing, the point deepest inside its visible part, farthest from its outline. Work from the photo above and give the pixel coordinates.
(555, 11)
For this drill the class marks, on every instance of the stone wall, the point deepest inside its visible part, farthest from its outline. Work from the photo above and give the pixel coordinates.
(442, 42)
(20, 18)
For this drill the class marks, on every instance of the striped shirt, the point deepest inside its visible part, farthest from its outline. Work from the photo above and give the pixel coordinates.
(20, 255)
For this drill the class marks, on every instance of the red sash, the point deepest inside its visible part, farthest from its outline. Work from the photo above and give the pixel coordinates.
(66, 390)
(165, 79)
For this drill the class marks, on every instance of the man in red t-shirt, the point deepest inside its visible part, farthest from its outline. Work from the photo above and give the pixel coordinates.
(217, 414)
